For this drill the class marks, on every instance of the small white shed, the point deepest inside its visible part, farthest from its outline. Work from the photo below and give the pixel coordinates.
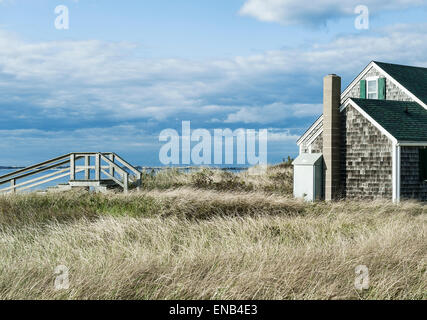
(308, 176)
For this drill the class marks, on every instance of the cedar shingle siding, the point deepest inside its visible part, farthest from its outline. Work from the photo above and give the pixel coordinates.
(317, 144)
(392, 91)
(366, 152)
(405, 121)
(366, 158)
(413, 79)
(315, 130)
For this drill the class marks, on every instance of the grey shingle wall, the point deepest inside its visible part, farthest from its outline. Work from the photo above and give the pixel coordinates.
(308, 138)
(410, 184)
(317, 144)
(366, 158)
(366, 154)
(392, 91)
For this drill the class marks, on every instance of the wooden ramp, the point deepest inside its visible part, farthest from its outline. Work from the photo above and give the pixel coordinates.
(99, 171)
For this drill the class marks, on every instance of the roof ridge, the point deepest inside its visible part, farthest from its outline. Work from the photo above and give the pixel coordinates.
(398, 65)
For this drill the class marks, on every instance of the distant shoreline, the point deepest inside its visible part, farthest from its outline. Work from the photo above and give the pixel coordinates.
(153, 168)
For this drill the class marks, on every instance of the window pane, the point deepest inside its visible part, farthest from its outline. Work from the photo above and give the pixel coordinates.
(372, 96)
(372, 86)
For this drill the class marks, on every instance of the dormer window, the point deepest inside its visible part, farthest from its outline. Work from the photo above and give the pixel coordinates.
(372, 88)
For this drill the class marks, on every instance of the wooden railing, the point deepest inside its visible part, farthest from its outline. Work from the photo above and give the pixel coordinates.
(105, 165)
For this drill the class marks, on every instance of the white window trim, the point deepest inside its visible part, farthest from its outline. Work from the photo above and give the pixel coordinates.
(367, 86)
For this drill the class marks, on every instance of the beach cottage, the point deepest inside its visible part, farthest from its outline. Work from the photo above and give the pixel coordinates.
(372, 137)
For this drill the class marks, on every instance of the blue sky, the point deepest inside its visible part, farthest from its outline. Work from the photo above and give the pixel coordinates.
(126, 70)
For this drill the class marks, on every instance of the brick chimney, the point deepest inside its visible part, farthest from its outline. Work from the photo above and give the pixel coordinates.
(331, 135)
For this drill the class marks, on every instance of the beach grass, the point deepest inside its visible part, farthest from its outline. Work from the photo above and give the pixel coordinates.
(209, 235)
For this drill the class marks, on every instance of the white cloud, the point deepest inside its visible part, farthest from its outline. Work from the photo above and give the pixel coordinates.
(89, 80)
(289, 12)
(281, 135)
(273, 113)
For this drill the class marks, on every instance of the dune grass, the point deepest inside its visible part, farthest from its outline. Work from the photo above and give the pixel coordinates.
(199, 238)
(278, 180)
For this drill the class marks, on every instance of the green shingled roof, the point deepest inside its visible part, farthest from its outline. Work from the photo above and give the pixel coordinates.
(406, 121)
(412, 78)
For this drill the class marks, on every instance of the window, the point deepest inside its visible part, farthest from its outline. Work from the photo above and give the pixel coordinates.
(372, 88)
(423, 164)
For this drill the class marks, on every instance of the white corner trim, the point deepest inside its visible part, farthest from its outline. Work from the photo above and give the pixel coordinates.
(318, 133)
(312, 127)
(359, 77)
(401, 86)
(396, 172)
(370, 119)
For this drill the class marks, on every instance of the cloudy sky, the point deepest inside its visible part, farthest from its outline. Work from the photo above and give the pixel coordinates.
(126, 70)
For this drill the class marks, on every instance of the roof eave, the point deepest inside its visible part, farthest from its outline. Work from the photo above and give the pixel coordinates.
(308, 131)
(399, 85)
(405, 143)
(369, 118)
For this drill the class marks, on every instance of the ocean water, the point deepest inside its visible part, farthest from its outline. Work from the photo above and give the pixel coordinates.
(152, 170)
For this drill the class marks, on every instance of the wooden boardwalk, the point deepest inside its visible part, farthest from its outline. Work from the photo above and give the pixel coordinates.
(100, 171)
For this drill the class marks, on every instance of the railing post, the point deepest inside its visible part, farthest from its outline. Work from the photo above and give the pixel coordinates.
(126, 182)
(12, 184)
(97, 167)
(139, 182)
(87, 169)
(112, 171)
(72, 166)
